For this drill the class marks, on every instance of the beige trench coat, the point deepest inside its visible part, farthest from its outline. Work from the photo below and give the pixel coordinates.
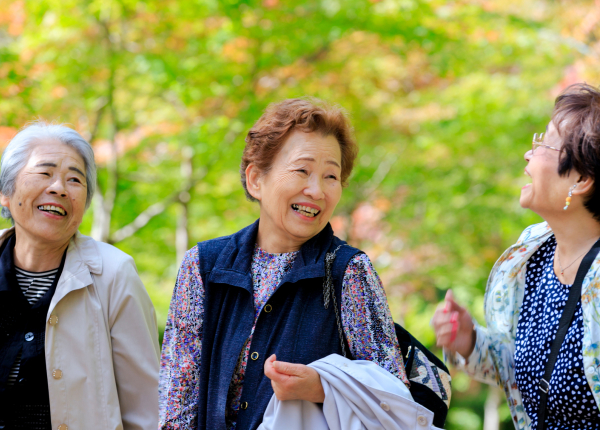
(102, 353)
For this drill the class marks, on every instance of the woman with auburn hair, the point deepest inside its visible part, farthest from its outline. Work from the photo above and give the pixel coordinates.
(248, 311)
(542, 303)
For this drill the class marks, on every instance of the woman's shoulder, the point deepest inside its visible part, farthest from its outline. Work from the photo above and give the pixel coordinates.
(90, 247)
(102, 258)
(534, 232)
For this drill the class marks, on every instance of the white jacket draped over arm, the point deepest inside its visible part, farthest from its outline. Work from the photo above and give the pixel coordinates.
(358, 395)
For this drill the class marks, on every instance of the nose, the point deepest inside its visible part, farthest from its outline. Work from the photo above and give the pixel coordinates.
(314, 189)
(528, 155)
(57, 188)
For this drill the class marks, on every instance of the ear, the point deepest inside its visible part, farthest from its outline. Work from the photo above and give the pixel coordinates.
(584, 186)
(4, 201)
(253, 181)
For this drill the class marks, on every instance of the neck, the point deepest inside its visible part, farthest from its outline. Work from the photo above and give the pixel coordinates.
(34, 255)
(575, 233)
(274, 243)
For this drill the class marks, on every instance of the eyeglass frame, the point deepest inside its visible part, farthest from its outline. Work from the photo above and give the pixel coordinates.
(537, 142)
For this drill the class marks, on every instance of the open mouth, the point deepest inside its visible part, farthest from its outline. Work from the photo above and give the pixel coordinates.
(305, 210)
(54, 210)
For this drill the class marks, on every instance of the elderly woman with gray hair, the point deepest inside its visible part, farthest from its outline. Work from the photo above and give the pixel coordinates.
(78, 336)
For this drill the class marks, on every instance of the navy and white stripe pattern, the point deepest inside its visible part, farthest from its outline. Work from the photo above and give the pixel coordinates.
(33, 285)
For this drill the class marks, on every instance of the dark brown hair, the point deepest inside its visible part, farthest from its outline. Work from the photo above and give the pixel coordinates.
(576, 117)
(266, 138)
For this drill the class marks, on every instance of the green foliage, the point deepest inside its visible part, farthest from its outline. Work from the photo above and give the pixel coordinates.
(444, 97)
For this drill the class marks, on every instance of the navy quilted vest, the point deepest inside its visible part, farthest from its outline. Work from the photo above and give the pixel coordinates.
(297, 327)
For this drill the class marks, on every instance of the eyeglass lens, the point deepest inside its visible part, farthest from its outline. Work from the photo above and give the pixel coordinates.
(537, 139)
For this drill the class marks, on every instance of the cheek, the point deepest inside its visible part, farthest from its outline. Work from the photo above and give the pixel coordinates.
(285, 186)
(334, 194)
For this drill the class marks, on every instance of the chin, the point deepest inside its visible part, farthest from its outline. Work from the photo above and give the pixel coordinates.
(306, 233)
(524, 200)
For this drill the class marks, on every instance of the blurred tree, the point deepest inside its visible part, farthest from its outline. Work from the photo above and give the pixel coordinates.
(444, 96)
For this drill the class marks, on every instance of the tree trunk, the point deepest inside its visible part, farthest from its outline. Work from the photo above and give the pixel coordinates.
(182, 235)
(491, 418)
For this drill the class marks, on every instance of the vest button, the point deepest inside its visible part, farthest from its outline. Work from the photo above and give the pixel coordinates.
(268, 308)
(29, 337)
(53, 320)
(57, 373)
(254, 356)
(244, 405)
(63, 427)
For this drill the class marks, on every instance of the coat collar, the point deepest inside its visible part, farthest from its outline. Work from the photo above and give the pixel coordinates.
(235, 261)
(82, 250)
(82, 261)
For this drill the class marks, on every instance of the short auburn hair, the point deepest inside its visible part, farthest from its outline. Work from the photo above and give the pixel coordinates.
(576, 117)
(266, 138)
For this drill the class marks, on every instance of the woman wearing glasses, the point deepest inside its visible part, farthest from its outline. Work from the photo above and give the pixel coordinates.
(528, 289)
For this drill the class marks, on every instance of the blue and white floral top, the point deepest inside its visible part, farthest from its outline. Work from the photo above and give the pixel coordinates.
(493, 358)
(571, 404)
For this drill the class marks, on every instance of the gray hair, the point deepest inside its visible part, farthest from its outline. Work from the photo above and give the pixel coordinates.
(16, 154)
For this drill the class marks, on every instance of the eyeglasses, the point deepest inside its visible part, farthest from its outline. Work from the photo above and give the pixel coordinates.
(538, 140)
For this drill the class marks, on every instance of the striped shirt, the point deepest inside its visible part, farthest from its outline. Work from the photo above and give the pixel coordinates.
(33, 285)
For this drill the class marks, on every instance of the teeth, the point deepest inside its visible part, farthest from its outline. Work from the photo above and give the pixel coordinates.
(308, 211)
(52, 208)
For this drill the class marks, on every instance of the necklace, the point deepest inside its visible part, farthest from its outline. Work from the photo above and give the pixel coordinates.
(562, 271)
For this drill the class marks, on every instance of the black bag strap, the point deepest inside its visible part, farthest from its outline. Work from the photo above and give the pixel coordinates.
(563, 327)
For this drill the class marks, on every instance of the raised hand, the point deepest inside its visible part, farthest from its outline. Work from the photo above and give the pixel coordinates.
(453, 325)
(294, 381)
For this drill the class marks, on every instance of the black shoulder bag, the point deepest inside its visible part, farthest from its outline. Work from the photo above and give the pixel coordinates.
(416, 357)
(563, 326)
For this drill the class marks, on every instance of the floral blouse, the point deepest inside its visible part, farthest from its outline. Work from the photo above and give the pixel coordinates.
(365, 314)
(492, 360)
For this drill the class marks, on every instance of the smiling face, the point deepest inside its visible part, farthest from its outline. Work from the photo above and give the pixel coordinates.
(547, 192)
(50, 194)
(299, 193)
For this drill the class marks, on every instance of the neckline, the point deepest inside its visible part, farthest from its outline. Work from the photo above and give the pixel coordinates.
(259, 251)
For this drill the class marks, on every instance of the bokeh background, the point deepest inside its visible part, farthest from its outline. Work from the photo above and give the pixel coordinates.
(444, 96)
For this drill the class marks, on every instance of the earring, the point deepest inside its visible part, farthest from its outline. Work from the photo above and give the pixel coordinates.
(568, 202)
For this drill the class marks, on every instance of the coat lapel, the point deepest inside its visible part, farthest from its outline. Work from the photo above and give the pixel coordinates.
(83, 259)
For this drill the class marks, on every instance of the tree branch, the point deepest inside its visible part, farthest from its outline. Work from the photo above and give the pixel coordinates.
(144, 218)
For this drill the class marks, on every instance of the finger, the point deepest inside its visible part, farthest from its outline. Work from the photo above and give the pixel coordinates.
(444, 336)
(290, 369)
(450, 303)
(440, 319)
(269, 369)
(439, 311)
(454, 321)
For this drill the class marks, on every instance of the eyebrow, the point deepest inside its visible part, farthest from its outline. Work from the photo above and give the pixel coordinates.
(74, 169)
(312, 159)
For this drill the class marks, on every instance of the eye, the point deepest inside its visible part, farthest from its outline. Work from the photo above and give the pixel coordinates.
(45, 173)
(302, 171)
(75, 180)
(332, 177)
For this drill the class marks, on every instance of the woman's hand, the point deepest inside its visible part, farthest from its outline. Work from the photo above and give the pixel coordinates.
(294, 381)
(454, 327)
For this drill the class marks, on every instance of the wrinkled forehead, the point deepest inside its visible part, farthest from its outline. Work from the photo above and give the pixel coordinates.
(311, 147)
(55, 152)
